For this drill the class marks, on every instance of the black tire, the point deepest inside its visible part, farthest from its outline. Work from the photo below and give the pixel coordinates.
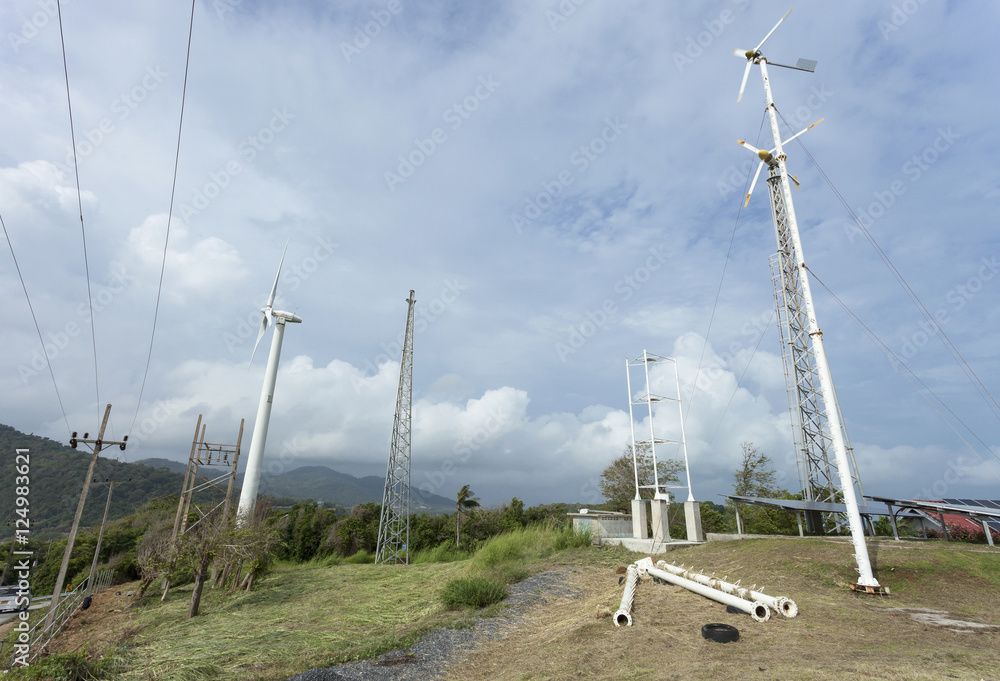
(722, 633)
(86, 602)
(733, 610)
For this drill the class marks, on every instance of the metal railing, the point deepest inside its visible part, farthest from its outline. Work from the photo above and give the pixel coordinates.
(38, 636)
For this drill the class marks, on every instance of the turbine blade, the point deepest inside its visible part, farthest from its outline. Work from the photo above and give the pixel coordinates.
(737, 52)
(746, 74)
(260, 334)
(274, 289)
(802, 131)
(795, 181)
(773, 30)
(754, 183)
(749, 146)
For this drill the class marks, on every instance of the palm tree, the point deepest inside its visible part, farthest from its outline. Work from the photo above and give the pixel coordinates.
(466, 499)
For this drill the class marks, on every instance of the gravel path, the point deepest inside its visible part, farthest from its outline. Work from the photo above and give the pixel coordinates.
(428, 658)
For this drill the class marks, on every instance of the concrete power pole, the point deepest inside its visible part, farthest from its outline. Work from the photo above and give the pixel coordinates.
(98, 444)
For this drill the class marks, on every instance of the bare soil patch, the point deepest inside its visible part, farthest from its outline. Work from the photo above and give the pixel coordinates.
(838, 634)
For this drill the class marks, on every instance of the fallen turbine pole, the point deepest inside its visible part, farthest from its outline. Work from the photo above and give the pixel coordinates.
(755, 609)
(624, 613)
(785, 606)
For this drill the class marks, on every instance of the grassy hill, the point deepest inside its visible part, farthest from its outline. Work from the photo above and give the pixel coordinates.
(57, 475)
(58, 471)
(312, 615)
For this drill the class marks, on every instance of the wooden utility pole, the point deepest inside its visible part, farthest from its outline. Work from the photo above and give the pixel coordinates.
(98, 444)
(100, 536)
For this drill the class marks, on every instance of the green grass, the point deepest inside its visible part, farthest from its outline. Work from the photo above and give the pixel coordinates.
(476, 592)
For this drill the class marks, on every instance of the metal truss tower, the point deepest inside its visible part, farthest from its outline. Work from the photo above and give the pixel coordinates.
(394, 524)
(807, 325)
(647, 399)
(817, 466)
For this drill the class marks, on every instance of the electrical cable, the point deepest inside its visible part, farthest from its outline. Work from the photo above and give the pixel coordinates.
(79, 199)
(37, 329)
(942, 336)
(718, 293)
(899, 365)
(170, 212)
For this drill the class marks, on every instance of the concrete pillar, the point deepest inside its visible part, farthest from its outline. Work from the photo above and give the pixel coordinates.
(639, 530)
(660, 521)
(692, 514)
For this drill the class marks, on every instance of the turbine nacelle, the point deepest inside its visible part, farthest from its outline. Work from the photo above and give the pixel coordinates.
(269, 313)
(768, 157)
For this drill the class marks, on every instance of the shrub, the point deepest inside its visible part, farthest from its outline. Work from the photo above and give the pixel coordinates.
(476, 592)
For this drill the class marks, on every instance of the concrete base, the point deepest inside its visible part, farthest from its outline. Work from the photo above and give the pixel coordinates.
(692, 515)
(639, 530)
(646, 546)
(661, 525)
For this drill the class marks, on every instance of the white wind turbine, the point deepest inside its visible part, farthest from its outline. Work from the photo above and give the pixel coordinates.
(251, 479)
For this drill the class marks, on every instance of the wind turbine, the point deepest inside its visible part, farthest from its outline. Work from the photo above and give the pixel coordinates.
(787, 220)
(767, 157)
(251, 479)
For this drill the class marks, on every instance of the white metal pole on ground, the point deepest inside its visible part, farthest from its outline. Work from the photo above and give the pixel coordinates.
(830, 409)
(624, 613)
(251, 478)
(785, 606)
(755, 609)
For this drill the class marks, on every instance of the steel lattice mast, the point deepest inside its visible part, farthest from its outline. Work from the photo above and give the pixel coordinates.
(830, 409)
(394, 524)
(810, 430)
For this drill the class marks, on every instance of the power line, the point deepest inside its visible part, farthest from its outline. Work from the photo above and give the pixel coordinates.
(911, 294)
(909, 375)
(170, 212)
(79, 201)
(35, 320)
(718, 293)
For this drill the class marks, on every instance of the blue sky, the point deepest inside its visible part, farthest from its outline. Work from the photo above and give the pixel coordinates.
(559, 183)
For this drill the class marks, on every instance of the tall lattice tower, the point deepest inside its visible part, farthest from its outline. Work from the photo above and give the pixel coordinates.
(817, 467)
(394, 525)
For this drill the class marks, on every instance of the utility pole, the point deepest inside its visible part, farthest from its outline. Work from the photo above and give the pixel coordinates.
(100, 536)
(73, 442)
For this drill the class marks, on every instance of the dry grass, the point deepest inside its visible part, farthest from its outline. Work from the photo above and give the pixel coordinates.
(837, 635)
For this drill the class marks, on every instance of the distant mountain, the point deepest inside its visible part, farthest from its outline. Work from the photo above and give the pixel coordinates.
(172, 466)
(321, 483)
(56, 475)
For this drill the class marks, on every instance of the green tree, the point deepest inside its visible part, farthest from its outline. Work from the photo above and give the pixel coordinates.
(618, 479)
(755, 477)
(466, 500)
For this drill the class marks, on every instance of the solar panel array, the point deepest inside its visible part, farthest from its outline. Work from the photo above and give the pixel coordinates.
(992, 504)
